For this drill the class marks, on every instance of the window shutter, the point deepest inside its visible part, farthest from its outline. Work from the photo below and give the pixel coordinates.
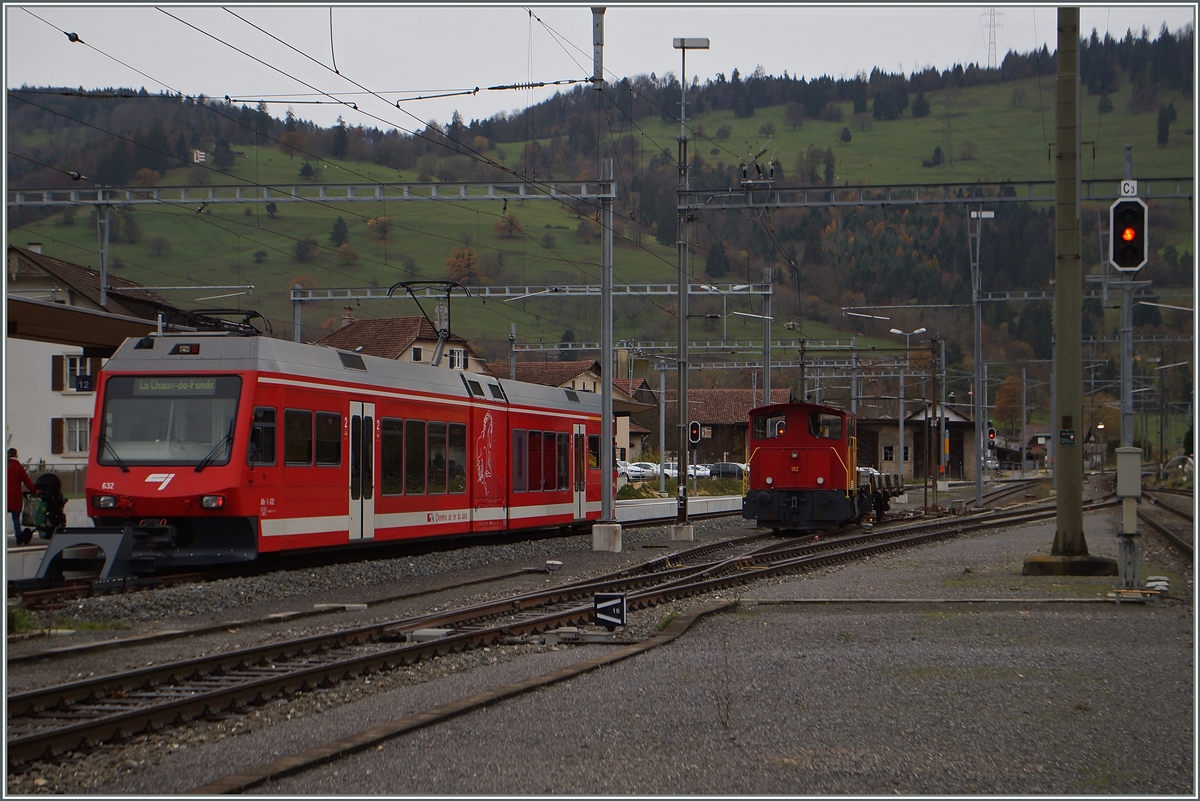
(56, 373)
(94, 364)
(56, 433)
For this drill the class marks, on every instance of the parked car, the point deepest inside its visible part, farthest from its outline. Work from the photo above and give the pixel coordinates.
(671, 469)
(727, 470)
(638, 473)
(623, 470)
(698, 471)
(649, 468)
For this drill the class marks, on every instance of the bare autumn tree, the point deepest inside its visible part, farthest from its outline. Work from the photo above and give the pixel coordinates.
(508, 226)
(1007, 406)
(463, 266)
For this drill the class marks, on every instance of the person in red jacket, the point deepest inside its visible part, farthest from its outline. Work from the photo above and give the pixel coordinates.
(16, 477)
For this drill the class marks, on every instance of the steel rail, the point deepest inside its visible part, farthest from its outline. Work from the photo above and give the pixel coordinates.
(102, 709)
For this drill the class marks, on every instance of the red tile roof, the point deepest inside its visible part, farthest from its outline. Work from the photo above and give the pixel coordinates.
(555, 374)
(387, 337)
(727, 406)
(124, 297)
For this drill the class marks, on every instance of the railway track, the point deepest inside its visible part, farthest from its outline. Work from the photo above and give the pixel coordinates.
(50, 722)
(1164, 515)
(46, 595)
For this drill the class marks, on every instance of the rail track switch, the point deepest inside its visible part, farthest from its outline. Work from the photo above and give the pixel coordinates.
(428, 635)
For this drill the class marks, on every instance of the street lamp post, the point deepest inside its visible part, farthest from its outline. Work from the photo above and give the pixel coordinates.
(907, 339)
(724, 306)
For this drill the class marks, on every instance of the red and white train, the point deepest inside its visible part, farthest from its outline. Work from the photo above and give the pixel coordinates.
(215, 448)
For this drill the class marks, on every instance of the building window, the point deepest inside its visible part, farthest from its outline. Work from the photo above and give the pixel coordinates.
(458, 359)
(73, 372)
(416, 354)
(76, 434)
(889, 453)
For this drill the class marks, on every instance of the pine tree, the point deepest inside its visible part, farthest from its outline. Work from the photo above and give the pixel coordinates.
(340, 234)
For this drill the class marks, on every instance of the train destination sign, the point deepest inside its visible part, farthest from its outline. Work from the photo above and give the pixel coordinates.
(175, 385)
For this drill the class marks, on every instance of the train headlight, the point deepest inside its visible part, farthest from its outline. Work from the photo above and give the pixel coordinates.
(820, 480)
(213, 501)
(104, 501)
(770, 480)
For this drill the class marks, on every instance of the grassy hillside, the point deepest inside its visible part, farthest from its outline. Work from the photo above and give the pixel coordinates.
(987, 133)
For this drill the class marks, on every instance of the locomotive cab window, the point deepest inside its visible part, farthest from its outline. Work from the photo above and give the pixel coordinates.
(770, 426)
(262, 437)
(825, 426)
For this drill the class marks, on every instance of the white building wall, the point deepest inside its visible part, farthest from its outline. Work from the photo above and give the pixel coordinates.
(30, 403)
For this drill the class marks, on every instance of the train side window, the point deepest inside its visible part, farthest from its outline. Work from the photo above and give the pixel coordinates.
(497, 393)
(769, 426)
(414, 457)
(535, 461)
(391, 456)
(437, 458)
(329, 439)
(476, 388)
(262, 437)
(458, 458)
(297, 437)
(825, 426)
(564, 461)
(549, 462)
(594, 451)
(520, 477)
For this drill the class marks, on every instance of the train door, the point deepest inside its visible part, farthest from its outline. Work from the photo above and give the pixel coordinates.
(579, 483)
(362, 470)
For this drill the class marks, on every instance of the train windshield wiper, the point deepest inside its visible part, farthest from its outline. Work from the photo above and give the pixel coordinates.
(106, 445)
(226, 441)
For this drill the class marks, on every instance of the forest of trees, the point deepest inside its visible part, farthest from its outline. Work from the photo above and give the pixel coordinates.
(126, 136)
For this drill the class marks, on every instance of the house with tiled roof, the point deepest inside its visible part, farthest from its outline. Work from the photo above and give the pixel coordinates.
(582, 375)
(724, 418)
(410, 339)
(586, 376)
(50, 363)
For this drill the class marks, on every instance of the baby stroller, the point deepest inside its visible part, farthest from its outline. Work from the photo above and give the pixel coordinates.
(44, 510)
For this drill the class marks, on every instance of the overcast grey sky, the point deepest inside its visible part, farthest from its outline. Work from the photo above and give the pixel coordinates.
(405, 50)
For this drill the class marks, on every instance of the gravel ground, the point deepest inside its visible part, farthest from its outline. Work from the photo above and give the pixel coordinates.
(911, 698)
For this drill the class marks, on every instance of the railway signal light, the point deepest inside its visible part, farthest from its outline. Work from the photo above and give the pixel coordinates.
(694, 432)
(1127, 234)
(991, 437)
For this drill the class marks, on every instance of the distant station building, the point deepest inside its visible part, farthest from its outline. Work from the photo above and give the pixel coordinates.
(58, 336)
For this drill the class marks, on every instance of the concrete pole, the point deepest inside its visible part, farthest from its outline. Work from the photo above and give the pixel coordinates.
(1024, 436)
(768, 277)
(900, 453)
(512, 351)
(662, 427)
(1069, 553)
(607, 440)
(103, 226)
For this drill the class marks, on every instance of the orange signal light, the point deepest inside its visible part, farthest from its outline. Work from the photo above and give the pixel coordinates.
(1129, 234)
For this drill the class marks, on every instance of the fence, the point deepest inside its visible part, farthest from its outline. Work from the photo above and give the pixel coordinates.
(72, 476)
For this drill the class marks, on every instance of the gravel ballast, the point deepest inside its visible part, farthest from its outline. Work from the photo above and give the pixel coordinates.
(780, 698)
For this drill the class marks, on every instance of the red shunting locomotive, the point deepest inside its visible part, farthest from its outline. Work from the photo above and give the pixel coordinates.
(804, 468)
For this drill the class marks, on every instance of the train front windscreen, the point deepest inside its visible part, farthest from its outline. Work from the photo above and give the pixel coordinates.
(168, 420)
